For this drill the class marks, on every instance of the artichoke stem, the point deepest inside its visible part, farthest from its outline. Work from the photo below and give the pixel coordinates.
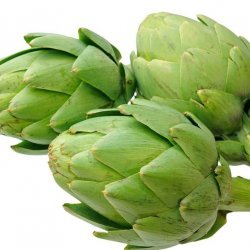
(239, 198)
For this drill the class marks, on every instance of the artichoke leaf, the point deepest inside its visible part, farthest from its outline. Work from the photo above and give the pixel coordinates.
(133, 199)
(201, 205)
(238, 75)
(86, 167)
(84, 212)
(103, 112)
(198, 35)
(52, 71)
(19, 61)
(89, 37)
(154, 116)
(169, 225)
(221, 220)
(199, 71)
(29, 148)
(158, 176)
(198, 145)
(54, 41)
(75, 108)
(35, 104)
(136, 146)
(128, 236)
(206, 20)
(39, 132)
(103, 124)
(203, 230)
(90, 193)
(97, 69)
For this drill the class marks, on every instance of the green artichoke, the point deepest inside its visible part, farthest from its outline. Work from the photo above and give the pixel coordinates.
(46, 89)
(197, 66)
(147, 174)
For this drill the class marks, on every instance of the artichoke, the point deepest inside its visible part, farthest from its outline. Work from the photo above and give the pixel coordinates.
(147, 174)
(52, 85)
(196, 66)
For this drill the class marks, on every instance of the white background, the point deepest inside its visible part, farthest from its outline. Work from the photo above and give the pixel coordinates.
(31, 216)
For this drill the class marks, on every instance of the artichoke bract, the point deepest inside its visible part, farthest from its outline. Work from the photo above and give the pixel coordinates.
(46, 89)
(197, 66)
(147, 174)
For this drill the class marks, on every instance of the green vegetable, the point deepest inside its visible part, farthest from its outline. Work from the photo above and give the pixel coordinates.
(46, 89)
(147, 174)
(196, 66)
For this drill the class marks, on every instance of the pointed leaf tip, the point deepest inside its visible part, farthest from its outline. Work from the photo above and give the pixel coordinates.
(30, 148)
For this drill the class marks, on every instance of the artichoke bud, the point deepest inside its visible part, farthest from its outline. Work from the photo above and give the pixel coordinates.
(46, 89)
(150, 175)
(180, 58)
